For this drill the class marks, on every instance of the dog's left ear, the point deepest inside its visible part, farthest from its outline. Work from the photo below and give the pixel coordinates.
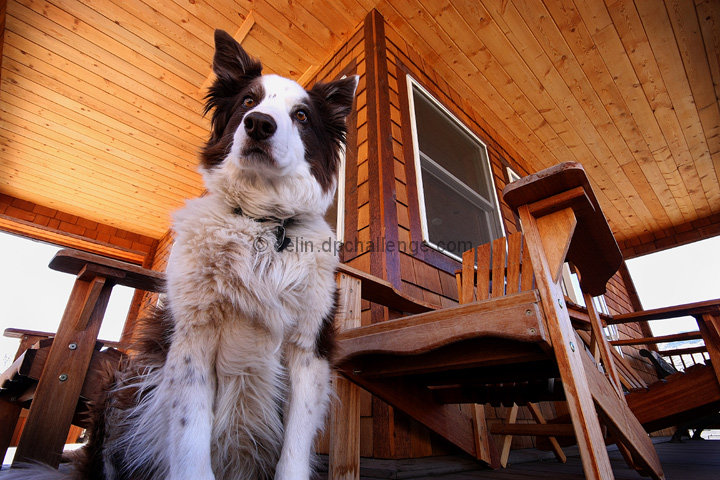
(337, 97)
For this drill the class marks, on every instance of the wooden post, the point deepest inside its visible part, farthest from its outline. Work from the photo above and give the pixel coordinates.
(540, 418)
(62, 378)
(709, 326)
(602, 345)
(345, 410)
(507, 440)
(554, 231)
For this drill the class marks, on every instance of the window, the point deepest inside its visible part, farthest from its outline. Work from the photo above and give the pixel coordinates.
(458, 204)
(335, 215)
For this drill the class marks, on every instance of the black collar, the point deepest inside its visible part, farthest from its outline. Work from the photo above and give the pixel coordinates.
(280, 234)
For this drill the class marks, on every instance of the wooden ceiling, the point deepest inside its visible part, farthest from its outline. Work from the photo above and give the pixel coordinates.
(100, 100)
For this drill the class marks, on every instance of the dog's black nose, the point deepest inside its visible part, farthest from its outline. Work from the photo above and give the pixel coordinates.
(259, 126)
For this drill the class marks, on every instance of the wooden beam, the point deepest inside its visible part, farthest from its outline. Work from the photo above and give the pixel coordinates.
(596, 463)
(3, 14)
(697, 308)
(540, 419)
(620, 420)
(531, 430)
(62, 379)
(507, 441)
(662, 339)
(345, 409)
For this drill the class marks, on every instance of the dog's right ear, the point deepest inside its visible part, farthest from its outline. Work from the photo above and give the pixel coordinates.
(231, 61)
(234, 69)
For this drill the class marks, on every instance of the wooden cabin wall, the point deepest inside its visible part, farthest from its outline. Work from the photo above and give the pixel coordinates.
(47, 224)
(422, 272)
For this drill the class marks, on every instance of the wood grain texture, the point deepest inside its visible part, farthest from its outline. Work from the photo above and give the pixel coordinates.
(57, 392)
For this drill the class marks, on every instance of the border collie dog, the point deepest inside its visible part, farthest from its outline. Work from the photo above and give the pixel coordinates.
(232, 380)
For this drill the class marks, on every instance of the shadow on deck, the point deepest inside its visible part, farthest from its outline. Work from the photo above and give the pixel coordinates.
(689, 460)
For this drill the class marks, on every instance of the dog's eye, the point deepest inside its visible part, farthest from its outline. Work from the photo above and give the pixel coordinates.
(301, 116)
(248, 102)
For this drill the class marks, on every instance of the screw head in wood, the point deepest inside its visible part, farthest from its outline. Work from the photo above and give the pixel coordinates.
(528, 312)
(63, 377)
(532, 331)
(72, 346)
(572, 346)
(560, 302)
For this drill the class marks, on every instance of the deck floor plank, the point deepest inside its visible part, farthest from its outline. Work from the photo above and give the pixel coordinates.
(696, 460)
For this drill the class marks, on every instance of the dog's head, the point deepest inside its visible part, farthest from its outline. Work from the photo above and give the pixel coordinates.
(271, 139)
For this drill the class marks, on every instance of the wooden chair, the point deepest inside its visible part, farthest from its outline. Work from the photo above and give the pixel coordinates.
(56, 374)
(512, 336)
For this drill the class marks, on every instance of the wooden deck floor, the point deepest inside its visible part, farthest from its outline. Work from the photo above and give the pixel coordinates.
(690, 460)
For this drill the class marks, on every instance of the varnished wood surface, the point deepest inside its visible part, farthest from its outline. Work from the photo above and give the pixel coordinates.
(101, 102)
(593, 249)
(123, 273)
(694, 460)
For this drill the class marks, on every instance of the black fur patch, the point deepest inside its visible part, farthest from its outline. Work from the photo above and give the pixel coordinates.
(325, 343)
(235, 73)
(324, 135)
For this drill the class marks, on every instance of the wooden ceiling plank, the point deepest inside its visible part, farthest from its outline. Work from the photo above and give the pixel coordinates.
(70, 200)
(282, 27)
(157, 16)
(100, 92)
(117, 71)
(708, 13)
(352, 11)
(274, 50)
(213, 14)
(631, 31)
(84, 143)
(146, 38)
(190, 30)
(404, 16)
(29, 174)
(531, 102)
(665, 50)
(85, 128)
(28, 137)
(499, 45)
(522, 39)
(23, 151)
(119, 58)
(602, 137)
(72, 30)
(578, 39)
(234, 11)
(684, 20)
(587, 48)
(307, 22)
(500, 116)
(47, 89)
(455, 64)
(650, 184)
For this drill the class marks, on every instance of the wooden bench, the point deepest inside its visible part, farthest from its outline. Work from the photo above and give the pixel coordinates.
(509, 339)
(65, 361)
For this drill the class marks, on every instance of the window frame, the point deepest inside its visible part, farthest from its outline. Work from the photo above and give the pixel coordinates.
(460, 187)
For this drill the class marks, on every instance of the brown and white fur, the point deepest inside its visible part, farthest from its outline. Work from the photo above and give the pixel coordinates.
(238, 382)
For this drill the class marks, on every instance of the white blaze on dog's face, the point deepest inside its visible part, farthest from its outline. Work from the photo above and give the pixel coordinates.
(272, 142)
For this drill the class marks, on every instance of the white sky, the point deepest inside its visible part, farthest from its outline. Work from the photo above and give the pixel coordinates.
(33, 297)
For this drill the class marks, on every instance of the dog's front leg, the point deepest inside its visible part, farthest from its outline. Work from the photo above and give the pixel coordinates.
(191, 389)
(308, 399)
